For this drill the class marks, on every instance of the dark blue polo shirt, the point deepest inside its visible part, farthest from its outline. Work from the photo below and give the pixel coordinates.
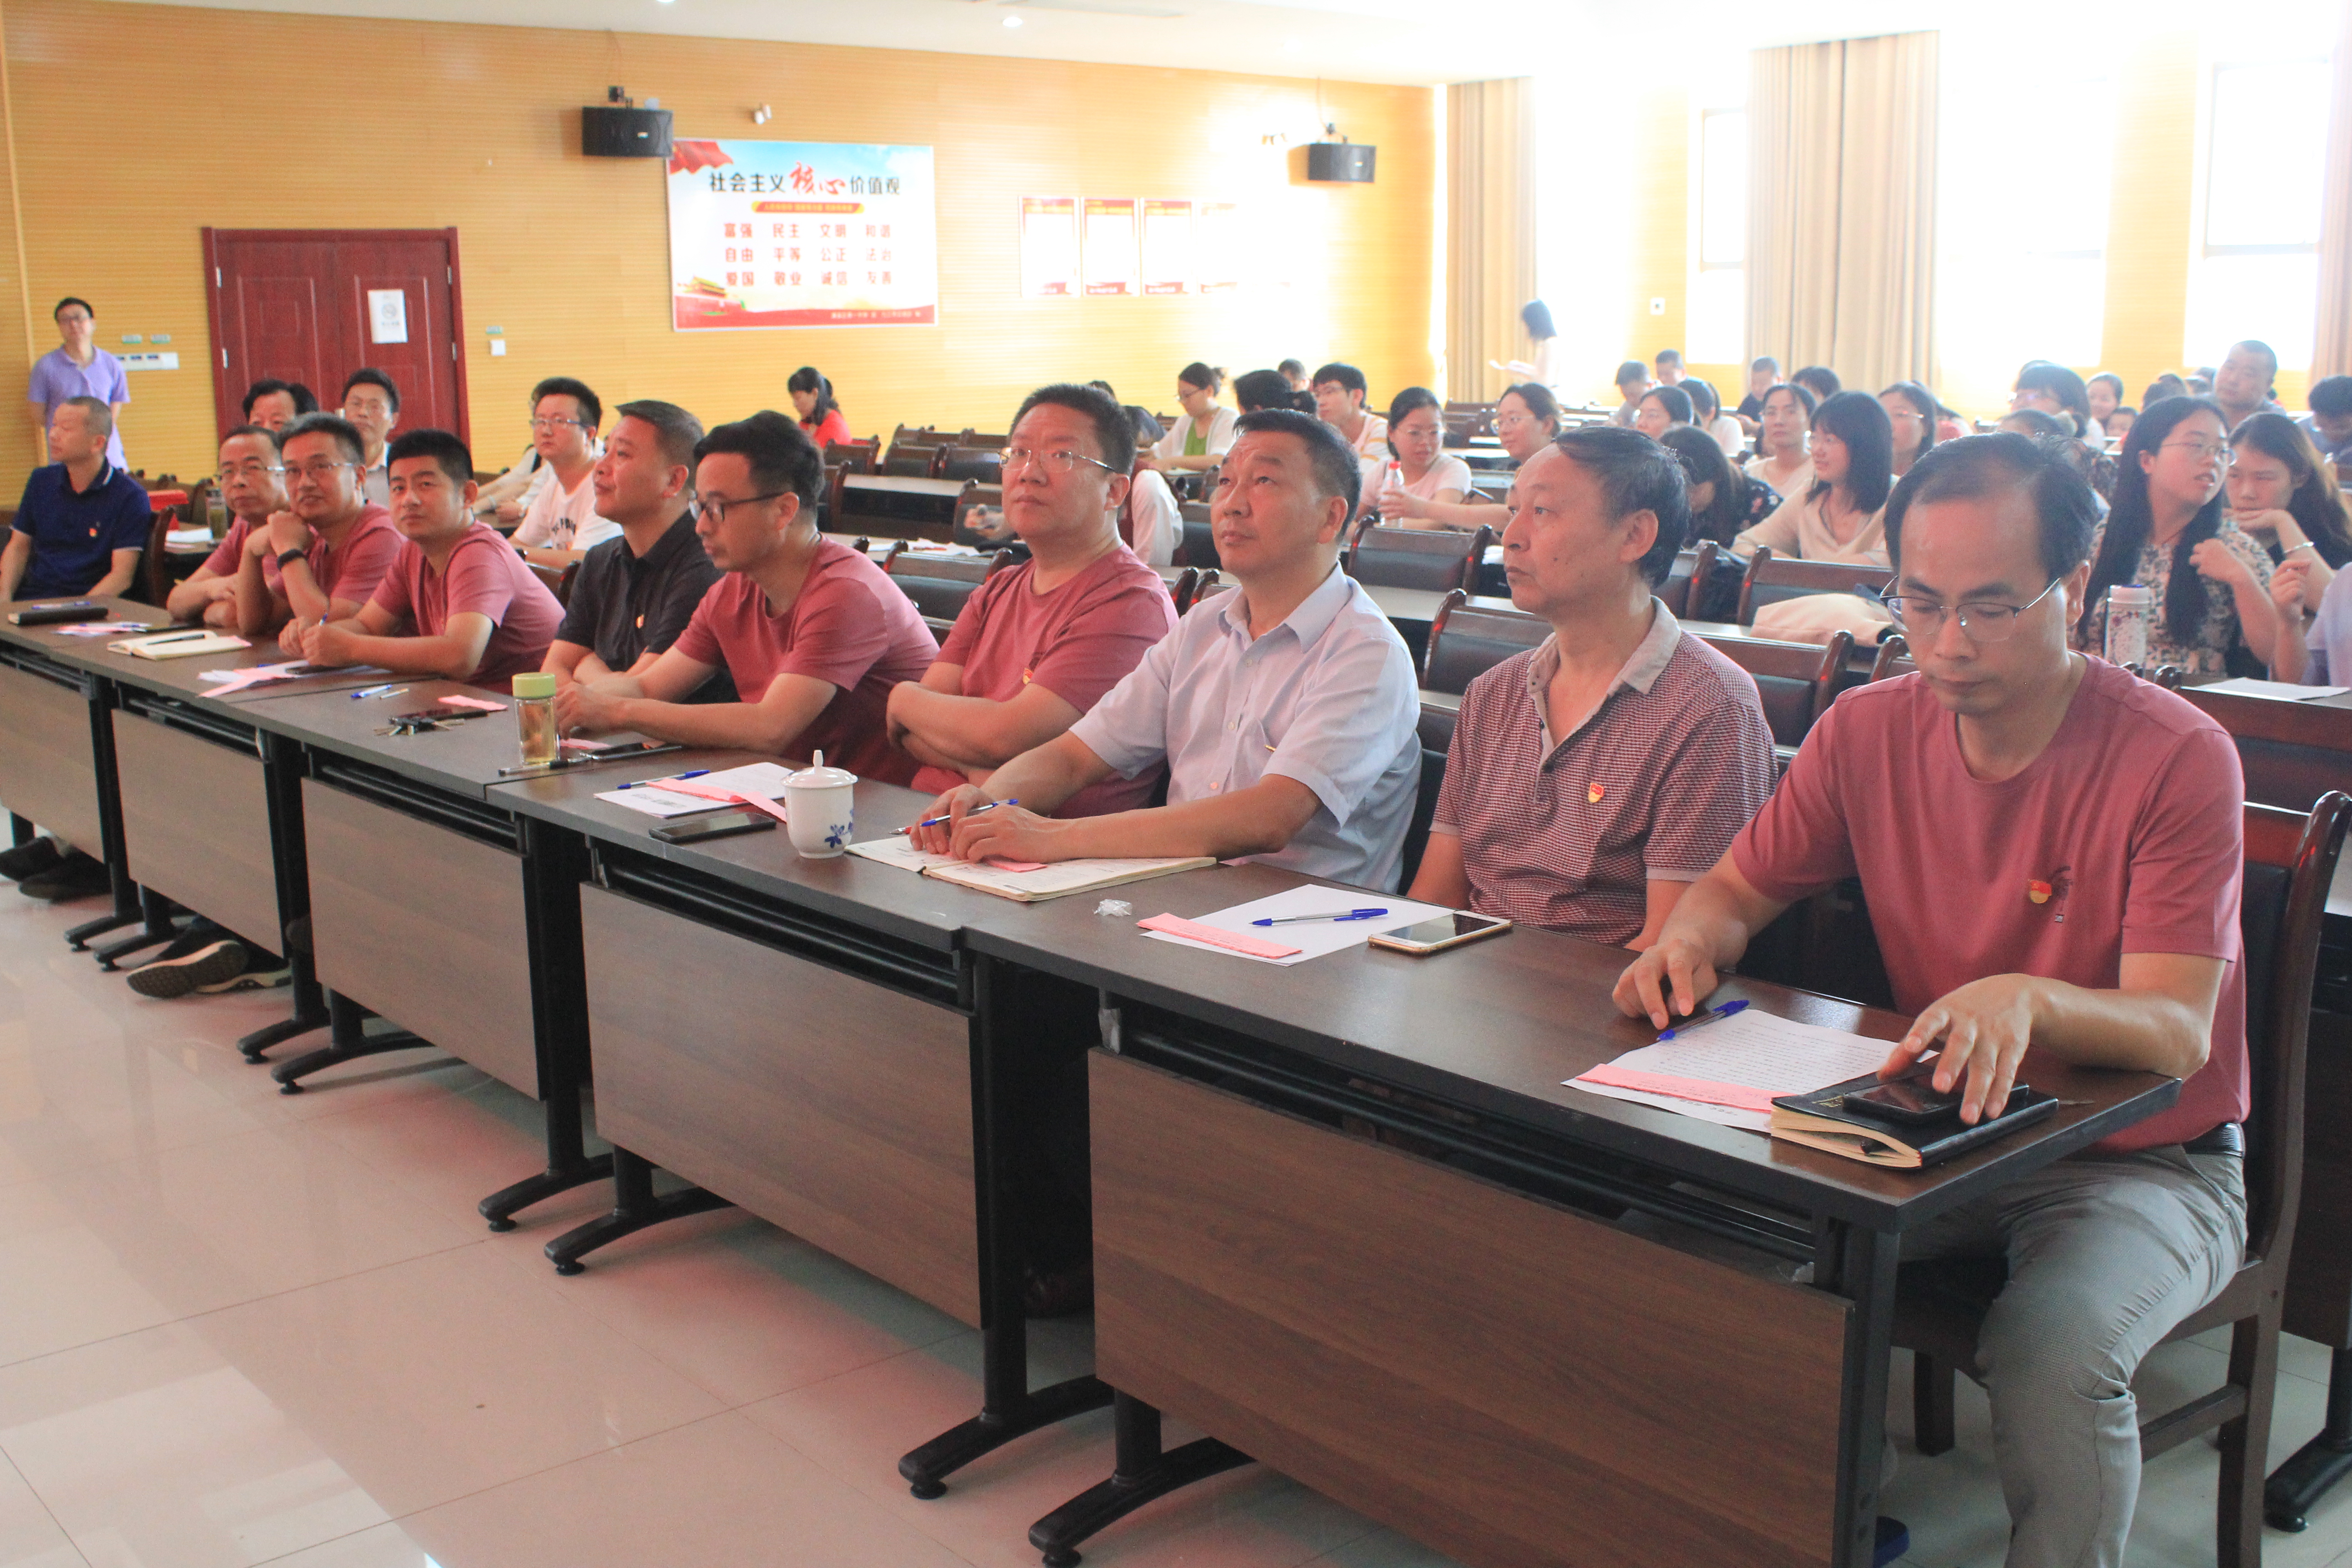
(75, 533)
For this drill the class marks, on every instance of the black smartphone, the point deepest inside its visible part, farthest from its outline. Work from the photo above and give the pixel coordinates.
(719, 825)
(1914, 1100)
(438, 715)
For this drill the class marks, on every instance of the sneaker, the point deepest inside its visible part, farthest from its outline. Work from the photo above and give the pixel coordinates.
(1893, 1540)
(251, 980)
(77, 876)
(208, 965)
(30, 859)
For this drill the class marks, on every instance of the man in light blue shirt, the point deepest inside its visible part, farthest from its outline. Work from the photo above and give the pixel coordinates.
(78, 368)
(1286, 709)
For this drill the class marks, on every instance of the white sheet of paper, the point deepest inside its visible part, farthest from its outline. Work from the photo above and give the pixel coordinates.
(2240, 686)
(765, 779)
(655, 802)
(1061, 877)
(1755, 1050)
(753, 778)
(1313, 938)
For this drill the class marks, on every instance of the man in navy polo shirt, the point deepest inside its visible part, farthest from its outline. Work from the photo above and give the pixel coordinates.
(82, 524)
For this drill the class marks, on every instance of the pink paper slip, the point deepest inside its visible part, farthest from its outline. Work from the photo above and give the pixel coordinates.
(1193, 930)
(1739, 1096)
(476, 704)
(706, 792)
(998, 863)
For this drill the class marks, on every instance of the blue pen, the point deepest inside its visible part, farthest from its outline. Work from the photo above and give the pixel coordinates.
(1335, 915)
(975, 811)
(378, 691)
(1715, 1015)
(673, 778)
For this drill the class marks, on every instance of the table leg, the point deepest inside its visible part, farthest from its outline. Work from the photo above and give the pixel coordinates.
(102, 696)
(1141, 1473)
(2319, 1464)
(347, 1041)
(155, 926)
(281, 780)
(1860, 1265)
(1009, 1407)
(635, 1207)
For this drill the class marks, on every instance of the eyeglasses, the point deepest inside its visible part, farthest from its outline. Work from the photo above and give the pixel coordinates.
(246, 471)
(540, 422)
(1983, 620)
(321, 471)
(1057, 464)
(716, 510)
(2201, 451)
(1512, 421)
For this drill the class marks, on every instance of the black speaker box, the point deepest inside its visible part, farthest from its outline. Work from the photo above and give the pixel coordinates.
(609, 133)
(1349, 161)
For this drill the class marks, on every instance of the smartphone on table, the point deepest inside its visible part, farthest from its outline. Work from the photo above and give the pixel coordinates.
(718, 824)
(1438, 934)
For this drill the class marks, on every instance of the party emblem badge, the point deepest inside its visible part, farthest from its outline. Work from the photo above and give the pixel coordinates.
(2038, 891)
(1593, 792)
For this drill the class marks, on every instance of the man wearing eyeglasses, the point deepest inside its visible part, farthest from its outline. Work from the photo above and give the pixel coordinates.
(2051, 851)
(561, 520)
(252, 485)
(371, 407)
(1040, 644)
(323, 548)
(813, 632)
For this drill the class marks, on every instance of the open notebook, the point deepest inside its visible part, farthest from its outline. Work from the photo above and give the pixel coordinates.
(1028, 882)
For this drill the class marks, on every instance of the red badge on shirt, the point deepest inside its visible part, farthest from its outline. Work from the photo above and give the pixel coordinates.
(1593, 792)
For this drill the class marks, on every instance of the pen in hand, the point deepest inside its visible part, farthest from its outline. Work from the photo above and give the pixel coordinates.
(1713, 1015)
(975, 811)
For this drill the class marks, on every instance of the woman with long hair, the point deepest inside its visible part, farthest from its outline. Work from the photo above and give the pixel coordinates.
(1544, 370)
(1724, 503)
(1661, 409)
(1783, 440)
(1424, 474)
(1842, 516)
(812, 397)
(1911, 410)
(2280, 495)
(2167, 533)
(1204, 431)
(1706, 413)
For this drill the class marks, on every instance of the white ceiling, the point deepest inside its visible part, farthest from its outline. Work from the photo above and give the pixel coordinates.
(1419, 42)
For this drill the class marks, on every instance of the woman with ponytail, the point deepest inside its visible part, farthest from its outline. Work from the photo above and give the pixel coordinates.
(813, 400)
(2167, 533)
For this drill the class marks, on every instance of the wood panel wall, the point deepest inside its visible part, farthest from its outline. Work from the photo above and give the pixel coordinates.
(250, 120)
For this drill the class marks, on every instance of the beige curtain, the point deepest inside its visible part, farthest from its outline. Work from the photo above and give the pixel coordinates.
(1490, 265)
(1842, 207)
(2331, 349)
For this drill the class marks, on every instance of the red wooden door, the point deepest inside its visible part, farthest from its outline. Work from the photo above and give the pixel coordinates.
(314, 305)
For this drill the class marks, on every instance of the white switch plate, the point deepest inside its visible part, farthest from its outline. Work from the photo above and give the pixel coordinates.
(498, 348)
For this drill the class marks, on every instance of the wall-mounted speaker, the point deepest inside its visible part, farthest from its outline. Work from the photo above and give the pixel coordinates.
(1349, 161)
(610, 133)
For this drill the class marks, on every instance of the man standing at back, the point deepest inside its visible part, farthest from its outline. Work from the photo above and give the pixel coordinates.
(325, 550)
(1037, 645)
(562, 519)
(78, 367)
(81, 526)
(2052, 850)
(1284, 712)
(371, 407)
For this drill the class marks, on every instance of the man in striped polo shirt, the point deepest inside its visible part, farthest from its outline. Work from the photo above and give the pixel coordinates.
(1594, 778)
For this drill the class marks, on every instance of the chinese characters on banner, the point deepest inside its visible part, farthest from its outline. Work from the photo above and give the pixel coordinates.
(1166, 247)
(801, 234)
(1049, 248)
(1217, 246)
(1111, 265)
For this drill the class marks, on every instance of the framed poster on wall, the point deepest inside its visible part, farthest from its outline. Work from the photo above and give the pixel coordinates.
(1111, 265)
(1049, 248)
(1166, 247)
(801, 234)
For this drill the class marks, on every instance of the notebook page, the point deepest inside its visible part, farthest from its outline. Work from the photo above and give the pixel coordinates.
(1752, 1051)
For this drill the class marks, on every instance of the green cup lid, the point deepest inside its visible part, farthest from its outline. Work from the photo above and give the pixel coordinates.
(536, 684)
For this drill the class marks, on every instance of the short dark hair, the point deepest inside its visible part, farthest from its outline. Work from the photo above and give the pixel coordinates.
(1798, 390)
(1291, 367)
(1765, 361)
(1706, 402)
(1976, 466)
(72, 300)
(1332, 461)
(1539, 399)
(264, 431)
(1635, 474)
(1346, 375)
(781, 456)
(97, 415)
(2267, 353)
(2331, 395)
(334, 426)
(1822, 379)
(678, 430)
(1114, 430)
(564, 386)
(305, 400)
(369, 376)
(1199, 374)
(2040, 423)
(1674, 401)
(1262, 389)
(2112, 379)
(1632, 370)
(1668, 357)
(453, 456)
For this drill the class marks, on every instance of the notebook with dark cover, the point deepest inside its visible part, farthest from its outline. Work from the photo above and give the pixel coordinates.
(1822, 1120)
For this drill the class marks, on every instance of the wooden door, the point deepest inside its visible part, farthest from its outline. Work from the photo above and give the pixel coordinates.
(314, 305)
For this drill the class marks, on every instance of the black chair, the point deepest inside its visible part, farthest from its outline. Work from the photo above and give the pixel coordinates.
(1772, 578)
(1199, 546)
(1417, 557)
(1894, 658)
(1690, 572)
(1796, 679)
(1940, 1304)
(982, 465)
(939, 585)
(2293, 753)
(1467, 640)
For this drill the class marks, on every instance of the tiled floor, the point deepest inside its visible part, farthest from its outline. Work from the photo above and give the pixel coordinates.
(238, 1327)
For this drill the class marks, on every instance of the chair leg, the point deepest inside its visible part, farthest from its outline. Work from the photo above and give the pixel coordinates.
(2246, 1441)
(1932, 1383)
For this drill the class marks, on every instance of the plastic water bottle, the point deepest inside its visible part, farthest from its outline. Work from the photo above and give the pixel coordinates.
(2130, 608)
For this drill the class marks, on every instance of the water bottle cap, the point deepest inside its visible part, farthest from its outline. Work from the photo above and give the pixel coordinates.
(2130, 593)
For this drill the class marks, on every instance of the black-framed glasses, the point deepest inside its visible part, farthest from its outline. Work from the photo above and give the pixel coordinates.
(716, 510)
(1984, 620)
(321, 471)
(246, 471)
(1057, 463)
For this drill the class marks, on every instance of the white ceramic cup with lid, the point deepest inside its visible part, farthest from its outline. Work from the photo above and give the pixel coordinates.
(820, 809)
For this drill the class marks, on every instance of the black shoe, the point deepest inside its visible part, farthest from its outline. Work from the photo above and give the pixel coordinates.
(30, 859)
(74, 876)
(1892, 1540)
(208, 965)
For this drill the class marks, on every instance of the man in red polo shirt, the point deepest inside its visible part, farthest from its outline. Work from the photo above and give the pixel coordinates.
(814, 633)
(1037, 645)
(2051, 851)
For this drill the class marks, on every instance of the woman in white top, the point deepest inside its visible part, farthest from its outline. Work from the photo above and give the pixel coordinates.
(1527, 420)
(1204, 432)
(1911, 410)
(1535, 316)
(1423, 473)
(1785, 428)
(1151, 522)
(1706, 413)
(1843, 517)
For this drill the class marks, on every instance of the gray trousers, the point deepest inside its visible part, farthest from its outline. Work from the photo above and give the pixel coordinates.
(2106, 1253)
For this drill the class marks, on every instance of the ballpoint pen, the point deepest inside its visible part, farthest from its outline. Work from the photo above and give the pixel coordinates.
(656, 783)
(377, 691)
(1335, 915)
(176, 636)
(975, 811)
(1713, 1015)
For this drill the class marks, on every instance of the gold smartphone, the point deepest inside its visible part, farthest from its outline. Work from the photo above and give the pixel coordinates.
(1437, 935)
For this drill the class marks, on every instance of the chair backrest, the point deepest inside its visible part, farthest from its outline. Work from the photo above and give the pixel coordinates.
(1689, 573)
(556, 580)
(1796, 679)
(861, 456)
(2290, 861)
(1772, 578)
(908, 461)
(983, 465)
(1184, 587)
(1433, 559)
(1467, 640)
(938, 584)
(894, 508)
(2293, 753)
(1199, 545)
(981, 440)
(1894, 658)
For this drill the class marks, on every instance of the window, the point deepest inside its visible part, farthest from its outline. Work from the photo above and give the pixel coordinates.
(1717, 326)
(2256, 272)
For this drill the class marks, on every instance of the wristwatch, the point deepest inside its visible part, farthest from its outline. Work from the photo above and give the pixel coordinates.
(286, 557)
